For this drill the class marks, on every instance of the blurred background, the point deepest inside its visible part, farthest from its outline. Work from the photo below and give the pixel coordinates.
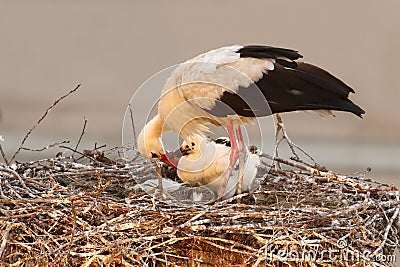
(112, 47)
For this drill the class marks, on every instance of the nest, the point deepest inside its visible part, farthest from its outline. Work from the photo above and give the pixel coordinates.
(82, 212)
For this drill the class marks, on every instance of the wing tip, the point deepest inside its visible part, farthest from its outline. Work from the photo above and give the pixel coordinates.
(263, 51)
(360, 113)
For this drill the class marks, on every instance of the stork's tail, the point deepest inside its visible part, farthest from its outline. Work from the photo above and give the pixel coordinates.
(306, 87)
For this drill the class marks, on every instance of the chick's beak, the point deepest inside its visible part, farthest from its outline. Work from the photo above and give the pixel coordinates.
(184, 151)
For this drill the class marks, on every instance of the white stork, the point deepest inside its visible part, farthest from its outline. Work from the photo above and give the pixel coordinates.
(230, 86)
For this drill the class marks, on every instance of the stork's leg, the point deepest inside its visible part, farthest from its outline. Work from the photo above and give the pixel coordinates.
(242, 159)
(233, 157)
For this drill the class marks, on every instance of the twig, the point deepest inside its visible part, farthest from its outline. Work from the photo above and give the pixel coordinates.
(159, 178)
(315, 165)
(315, 172)
(75, 151)
(4, 155)
(387, 230)
(16, 175)
(85, 155)
(277, 142)
(133, 126)
(74, 223)
(97, 148)
(1, 191)
(4, 241)
(12, 190)
(80, 137)
(292, 146)
(46, 147)
(289, 163)
(40, 120)
(281, 128)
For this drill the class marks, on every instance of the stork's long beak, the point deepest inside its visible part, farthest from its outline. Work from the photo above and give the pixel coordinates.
(171, 158)
(175, 154)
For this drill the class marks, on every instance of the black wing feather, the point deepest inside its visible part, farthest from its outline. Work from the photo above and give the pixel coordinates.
(289, 87)
(223, 141)
(260, 51)
(283, 56)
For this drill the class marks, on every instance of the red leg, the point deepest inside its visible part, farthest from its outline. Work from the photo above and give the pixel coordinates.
(233, 157)
(242, 158)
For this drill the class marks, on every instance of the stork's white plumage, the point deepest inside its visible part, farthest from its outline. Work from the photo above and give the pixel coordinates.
(230, 86)
(205, 162)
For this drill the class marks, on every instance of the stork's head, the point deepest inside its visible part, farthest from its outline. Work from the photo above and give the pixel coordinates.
(150, 146)
(149, 140)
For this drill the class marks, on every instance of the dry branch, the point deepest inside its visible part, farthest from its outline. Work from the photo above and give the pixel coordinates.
(40, 120)
(46, 147)
(132, 124)
(3, 155)
(80, 137)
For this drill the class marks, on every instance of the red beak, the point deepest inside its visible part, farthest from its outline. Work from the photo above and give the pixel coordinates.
(170, 160)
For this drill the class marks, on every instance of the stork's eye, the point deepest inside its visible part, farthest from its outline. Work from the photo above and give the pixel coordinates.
(154, 155)
(193, 144)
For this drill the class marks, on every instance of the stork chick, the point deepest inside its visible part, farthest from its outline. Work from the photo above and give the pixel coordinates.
(205, 162)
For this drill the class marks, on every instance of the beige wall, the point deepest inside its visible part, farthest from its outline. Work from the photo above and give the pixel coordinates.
(111, 47)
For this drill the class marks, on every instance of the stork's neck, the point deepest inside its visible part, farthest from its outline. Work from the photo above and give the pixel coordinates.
(149, 138)
(154, 127)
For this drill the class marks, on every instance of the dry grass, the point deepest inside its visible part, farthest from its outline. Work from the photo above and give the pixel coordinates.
(66, 212)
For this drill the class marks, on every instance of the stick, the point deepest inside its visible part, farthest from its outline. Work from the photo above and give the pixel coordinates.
(46, 147)
(387, 230)
(281, 128)
(133, 126)
(71, 239)
(5, 240)
(160, 185)
(316, 171)
(80, 137)
(75, 151)
(16, 175)
(40, 120)
(1, 191)
(292, 146)
(4, 155)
